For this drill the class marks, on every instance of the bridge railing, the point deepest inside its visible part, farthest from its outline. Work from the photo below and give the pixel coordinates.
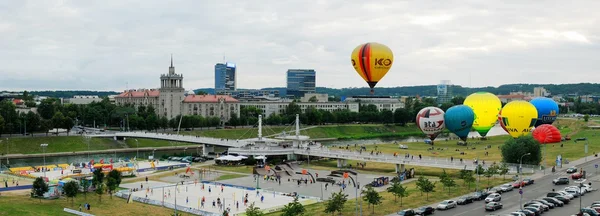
(178, 137)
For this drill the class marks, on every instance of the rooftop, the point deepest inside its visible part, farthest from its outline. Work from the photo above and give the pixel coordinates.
(208, 99)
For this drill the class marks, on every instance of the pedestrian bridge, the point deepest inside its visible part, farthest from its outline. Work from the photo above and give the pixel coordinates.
(400, 161)
(177, 138)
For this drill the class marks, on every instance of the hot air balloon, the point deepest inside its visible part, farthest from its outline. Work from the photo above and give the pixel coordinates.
(486, 106)
(431, 121)
(517, 118)
(372, 61)
(546, 133)
(547, 110)
(459, 120)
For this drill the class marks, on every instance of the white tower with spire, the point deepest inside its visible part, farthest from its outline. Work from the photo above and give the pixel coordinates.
(171, 93)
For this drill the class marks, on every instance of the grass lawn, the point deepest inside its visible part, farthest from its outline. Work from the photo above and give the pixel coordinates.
(31, 145)
(414, 200)
(238, 169)
(23, 205)
(571, 150)
(153, 143)
(228, 176)
(362, 131)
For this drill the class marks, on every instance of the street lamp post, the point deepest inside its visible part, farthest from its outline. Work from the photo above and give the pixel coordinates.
(44, 146)
(153, 153)
(521, 180)
(137, 150)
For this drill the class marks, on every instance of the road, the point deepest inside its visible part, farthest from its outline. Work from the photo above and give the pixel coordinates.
(510, 200)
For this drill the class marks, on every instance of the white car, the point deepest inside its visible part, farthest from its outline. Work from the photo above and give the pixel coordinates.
(506, 187)
(446, 204)
(403, 147)
(581, 190)
(566, 195)
(493, 198)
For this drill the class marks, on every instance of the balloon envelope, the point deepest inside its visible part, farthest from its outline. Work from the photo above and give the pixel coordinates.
(459, 120)
(547, 110)
(546, 133)
(431, 121)
(372, 61)
(486, 106)
(517, 118)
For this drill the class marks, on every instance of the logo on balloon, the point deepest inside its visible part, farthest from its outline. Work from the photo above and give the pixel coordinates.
(429, 125)
(549, 118)
(383, 62)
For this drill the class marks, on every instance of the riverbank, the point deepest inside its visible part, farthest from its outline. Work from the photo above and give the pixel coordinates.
(107, 151)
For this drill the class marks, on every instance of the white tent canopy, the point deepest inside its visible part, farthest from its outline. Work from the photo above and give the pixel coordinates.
(229, 158)
(242, 157)
(260, 157)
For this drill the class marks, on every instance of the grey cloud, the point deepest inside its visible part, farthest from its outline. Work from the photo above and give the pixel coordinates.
(102, 45)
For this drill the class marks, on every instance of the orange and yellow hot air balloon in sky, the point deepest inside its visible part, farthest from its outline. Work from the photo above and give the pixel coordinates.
(372, 61)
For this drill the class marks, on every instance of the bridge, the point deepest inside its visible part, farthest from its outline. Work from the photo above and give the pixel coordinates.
(400, 161)
(207, 143)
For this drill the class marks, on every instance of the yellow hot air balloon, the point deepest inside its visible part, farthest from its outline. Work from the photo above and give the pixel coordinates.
(486, 107)
(372, 61)
(518, 117)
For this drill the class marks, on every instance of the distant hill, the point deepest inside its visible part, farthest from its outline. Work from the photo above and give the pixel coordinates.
(431, 90)
(70, 94)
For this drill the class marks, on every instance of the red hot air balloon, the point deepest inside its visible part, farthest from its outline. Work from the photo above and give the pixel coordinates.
(546, 134)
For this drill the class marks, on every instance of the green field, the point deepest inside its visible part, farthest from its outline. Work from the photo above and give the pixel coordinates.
(31, 145)
(362, 131)
(388, 206)
(23, 205)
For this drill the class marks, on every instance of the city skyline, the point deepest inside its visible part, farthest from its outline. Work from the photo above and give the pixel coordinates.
(117, 45)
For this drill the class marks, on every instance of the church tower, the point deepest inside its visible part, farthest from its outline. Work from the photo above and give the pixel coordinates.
(171, 93)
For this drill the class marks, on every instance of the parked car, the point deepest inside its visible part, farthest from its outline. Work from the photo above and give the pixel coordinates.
(553, 194)
(518, 184)
(573, 192)
(506, 187)
(537, 210)
(481, 195)
(590, 211)
(528, 181)
(493, 206)
(554, 201)
(464, 200)
(446, 204)
(537, 205)
(560, 180)
(425, 210)
(527, 212)
(495, 190)
(516, 214)
(493, 198)
(562, 199)
(407, 212)
(549, 204)
(572, 170)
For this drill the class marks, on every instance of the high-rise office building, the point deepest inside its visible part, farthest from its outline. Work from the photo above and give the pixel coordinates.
(443, 92)
(300, 82)
(225, 77)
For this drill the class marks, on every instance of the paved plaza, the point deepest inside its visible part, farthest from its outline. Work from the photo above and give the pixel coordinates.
(313, 190)
(190, 194)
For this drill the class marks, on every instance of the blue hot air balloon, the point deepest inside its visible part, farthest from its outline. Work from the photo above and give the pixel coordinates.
(459, 120)
(547, 110)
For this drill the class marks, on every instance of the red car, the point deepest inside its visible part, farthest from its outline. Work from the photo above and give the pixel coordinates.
(576, 176)
(517, 185)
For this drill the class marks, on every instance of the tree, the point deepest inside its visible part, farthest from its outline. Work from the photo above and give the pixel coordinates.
(1, 125)
(111, 185)
(58, 121)
(68, 124)
(163, 123)
(39, 188)
(446, 106)
(447, 181)
(71, 188)
(469, 178)
(425, 186)
(503, 170)
(313, 99)
(47, 108)
(100, 188)
(115, 175)
(336, 203)
(372, 197)
(85, 184)
(294, 208)
(458, 100)
(401, 116)
(46, 126)
(513, 149)
(98, 177)
(398, 190)
(33, 122)
(234, 120)
(586, 117)
(254, 211)
(387, 116)
(490, 172)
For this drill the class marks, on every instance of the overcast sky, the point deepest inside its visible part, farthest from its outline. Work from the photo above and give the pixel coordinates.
(102, 45)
